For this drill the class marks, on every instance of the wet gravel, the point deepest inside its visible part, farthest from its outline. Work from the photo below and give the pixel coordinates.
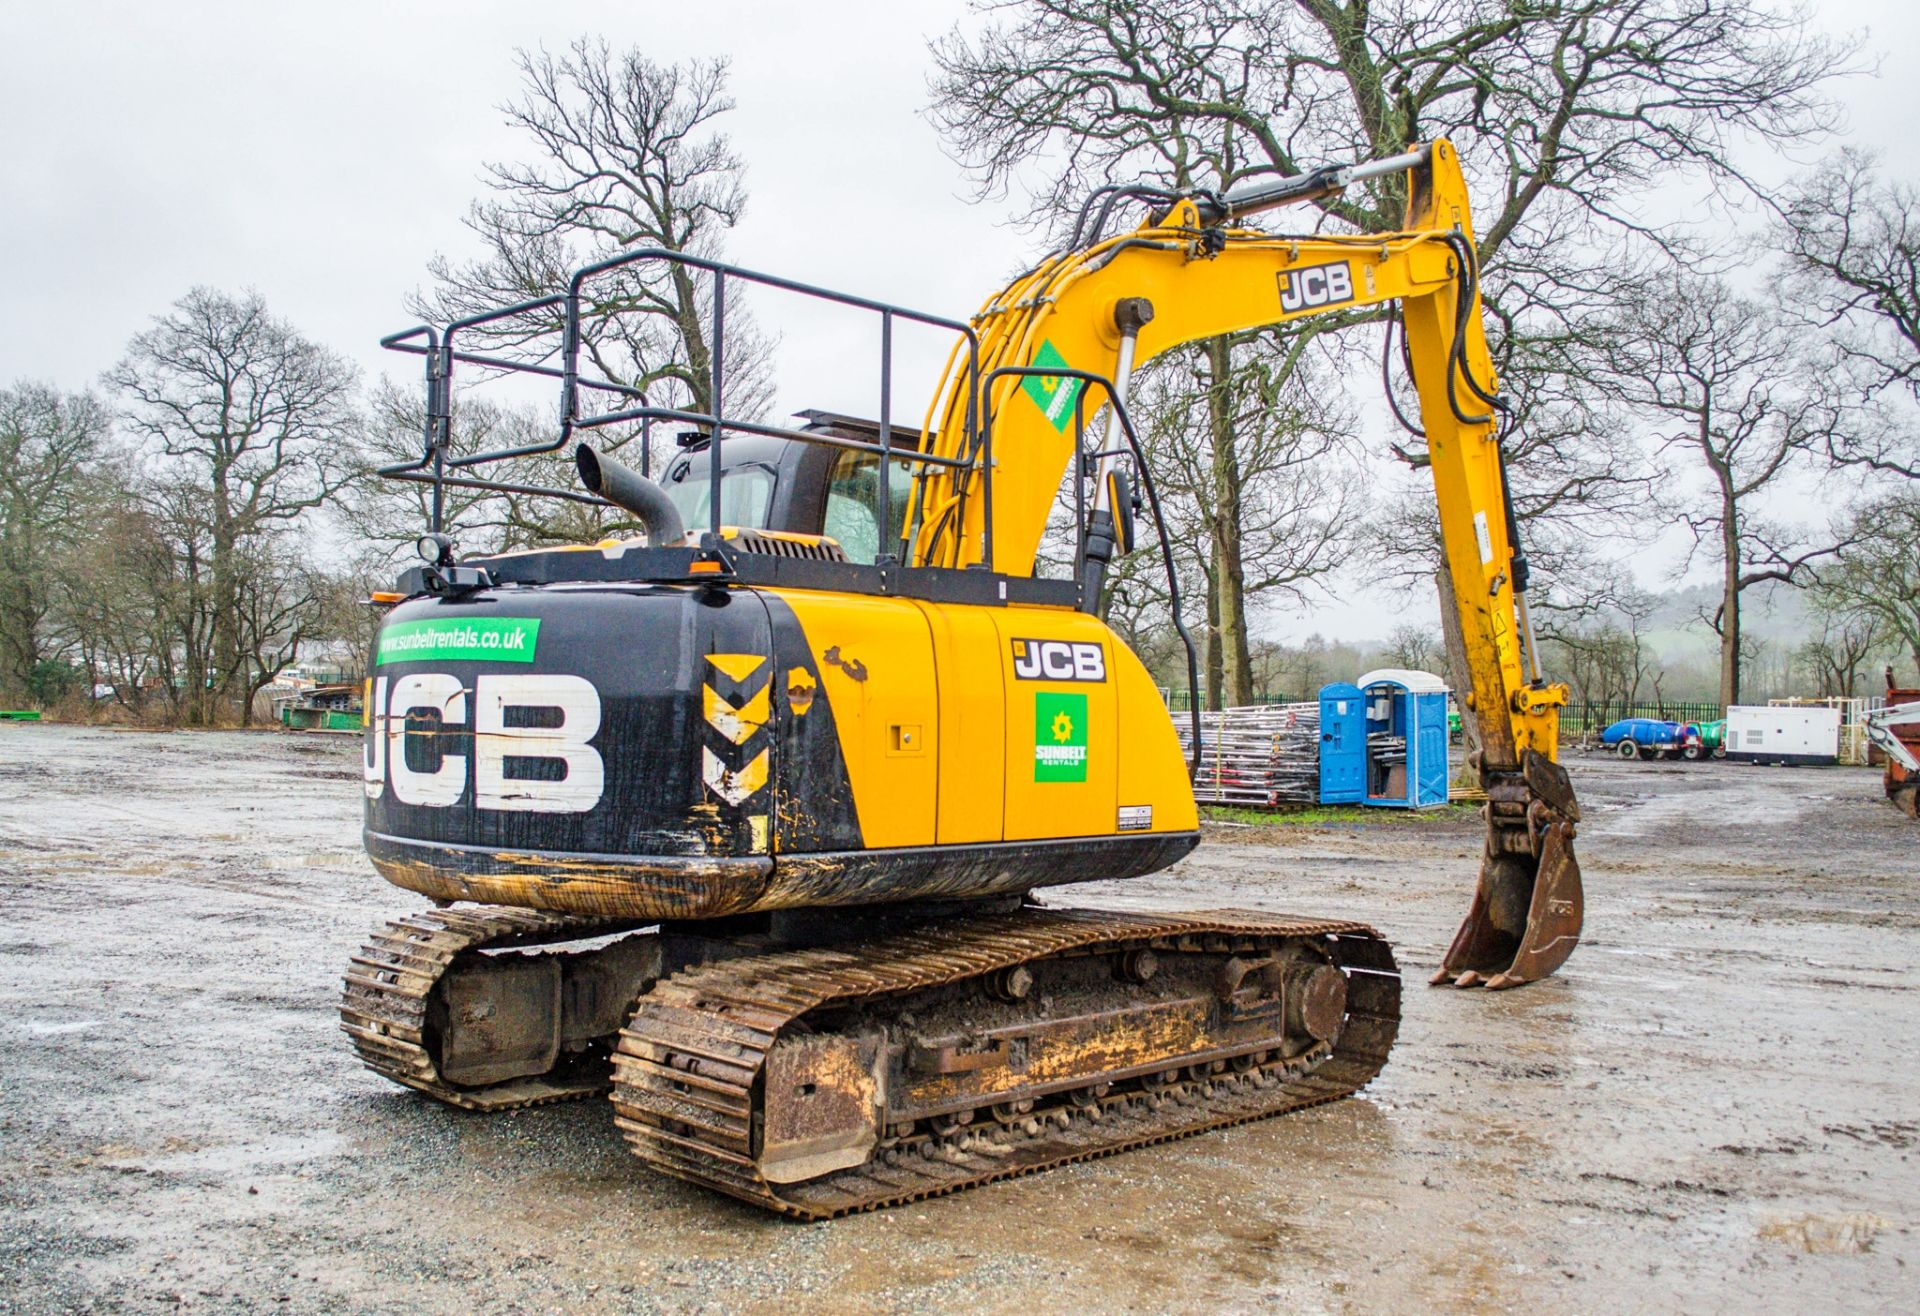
(1713, 1106)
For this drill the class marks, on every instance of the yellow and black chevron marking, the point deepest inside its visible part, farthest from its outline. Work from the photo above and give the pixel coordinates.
(740, 721)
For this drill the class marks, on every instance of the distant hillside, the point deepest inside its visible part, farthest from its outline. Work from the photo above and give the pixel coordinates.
(1769, 611)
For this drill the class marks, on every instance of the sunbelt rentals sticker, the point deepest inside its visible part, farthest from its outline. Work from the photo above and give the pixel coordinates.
(476, 639)
(1059, 737)
(1053, 394)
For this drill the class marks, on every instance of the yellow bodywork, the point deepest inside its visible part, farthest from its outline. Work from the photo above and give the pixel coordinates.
(942, 734)
(953, 734)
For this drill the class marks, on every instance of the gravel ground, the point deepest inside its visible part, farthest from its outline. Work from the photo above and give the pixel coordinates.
(1712, 1106)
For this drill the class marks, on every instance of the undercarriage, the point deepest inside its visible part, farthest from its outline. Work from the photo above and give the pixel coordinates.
(818, 1068)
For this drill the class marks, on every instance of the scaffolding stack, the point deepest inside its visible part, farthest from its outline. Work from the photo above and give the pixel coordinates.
(1261, 755)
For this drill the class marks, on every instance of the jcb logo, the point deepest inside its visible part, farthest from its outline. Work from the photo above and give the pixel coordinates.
(529, 738)
(1059, 660)
(1316, 285)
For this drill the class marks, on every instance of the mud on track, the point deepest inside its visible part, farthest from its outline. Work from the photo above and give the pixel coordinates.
(1715, 1104)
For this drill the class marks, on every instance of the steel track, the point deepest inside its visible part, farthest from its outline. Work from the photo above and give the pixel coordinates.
(686, 1066)
(388, 983)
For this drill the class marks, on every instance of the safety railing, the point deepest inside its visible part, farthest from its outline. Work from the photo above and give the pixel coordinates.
(438, 466)
(1085, 467)
(1599, 714)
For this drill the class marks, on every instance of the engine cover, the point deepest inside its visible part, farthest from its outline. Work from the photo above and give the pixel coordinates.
(685, 751)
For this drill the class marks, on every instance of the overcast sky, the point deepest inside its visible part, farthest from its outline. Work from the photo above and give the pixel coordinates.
(322, 153)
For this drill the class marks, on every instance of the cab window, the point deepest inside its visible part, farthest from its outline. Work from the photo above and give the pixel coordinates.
(745, 494)
(853, 504)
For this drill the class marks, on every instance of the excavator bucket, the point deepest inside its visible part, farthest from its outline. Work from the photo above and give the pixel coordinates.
(1528, 906)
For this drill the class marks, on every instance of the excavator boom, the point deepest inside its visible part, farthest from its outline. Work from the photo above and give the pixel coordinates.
(1197, 277)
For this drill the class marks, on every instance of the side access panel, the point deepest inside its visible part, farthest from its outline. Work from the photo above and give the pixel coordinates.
(973, 707)
(859, 670)
(1062, 747)
(1155, 783)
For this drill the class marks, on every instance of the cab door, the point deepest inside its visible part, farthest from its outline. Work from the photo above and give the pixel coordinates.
(1343, 745)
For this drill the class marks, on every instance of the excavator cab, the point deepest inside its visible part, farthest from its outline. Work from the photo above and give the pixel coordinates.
(800, 488)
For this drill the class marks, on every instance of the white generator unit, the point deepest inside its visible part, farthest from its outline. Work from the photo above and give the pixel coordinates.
(1783, 734)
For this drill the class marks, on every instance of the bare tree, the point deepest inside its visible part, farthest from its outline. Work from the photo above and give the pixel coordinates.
(121, 599)
(1876, 575)
(48, 442)
(1249, 456)
(1270, 666)
(1316, 661)
(1413, 647)
(387, 515)
(279, 612)
(1835, 657)
(1606, 656)
(1565, 113)
(244, 428)
(985, 97)
(1853, 251)
(345, 621)
(1726, 385)
(624, 153)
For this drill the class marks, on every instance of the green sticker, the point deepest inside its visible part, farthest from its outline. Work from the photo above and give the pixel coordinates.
(476, 639)
(1051, 393)
(1059, 737)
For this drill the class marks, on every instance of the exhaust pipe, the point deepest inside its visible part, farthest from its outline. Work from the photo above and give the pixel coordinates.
(625, 487)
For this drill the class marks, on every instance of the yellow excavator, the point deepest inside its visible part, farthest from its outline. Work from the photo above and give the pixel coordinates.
(740, 817)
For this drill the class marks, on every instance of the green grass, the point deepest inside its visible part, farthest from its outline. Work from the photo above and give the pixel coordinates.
(1324, 815)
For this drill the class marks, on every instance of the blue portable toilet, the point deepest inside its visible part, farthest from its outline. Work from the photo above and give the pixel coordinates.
(1343, 744)
(1405, 754)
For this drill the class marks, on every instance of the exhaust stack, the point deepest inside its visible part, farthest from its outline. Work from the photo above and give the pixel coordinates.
(625, 487)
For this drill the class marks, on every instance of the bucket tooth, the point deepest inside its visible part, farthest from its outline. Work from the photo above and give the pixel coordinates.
(1555, 915)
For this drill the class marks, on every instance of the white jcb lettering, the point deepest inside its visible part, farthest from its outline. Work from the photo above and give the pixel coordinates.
(444, 696)
(578, 704)
(1316, 285)
(533, 788)
(373, 757)
(1059, 660)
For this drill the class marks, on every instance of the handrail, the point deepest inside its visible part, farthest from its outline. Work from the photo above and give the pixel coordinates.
(1146, 483)
(442, 356)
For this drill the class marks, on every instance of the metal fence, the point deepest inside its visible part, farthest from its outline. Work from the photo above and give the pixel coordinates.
(1597, 715)
(1179, 701)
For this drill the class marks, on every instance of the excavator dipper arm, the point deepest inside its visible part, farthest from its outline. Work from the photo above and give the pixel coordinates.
(1190, 274)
